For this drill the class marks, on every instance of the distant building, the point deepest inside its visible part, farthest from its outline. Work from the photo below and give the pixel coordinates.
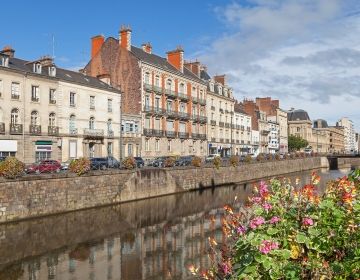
(349, 135)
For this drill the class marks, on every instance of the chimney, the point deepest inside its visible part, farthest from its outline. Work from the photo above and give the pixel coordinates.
(146, 47)
(220, 79)
(176, 58)
(125, 37)
(46, 61)
(194, 67)
(9, 51)
(96, 44)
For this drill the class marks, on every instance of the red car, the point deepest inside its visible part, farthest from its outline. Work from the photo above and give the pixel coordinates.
(45, 166)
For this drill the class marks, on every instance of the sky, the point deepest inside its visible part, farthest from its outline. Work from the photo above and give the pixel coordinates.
(304, 52)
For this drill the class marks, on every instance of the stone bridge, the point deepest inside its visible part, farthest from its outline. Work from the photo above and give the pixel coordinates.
(344, 161)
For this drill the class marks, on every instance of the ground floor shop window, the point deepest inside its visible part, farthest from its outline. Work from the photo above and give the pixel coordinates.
(7, 154)
(40, 156)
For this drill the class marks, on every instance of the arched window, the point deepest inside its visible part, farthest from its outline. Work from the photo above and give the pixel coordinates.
(52, 119)
(157, 81)
(72, 124)
(109, 124)
(34, 118)
(15, 119)
(92, 123)
(147, 78)
(169, 84)
(182, 88)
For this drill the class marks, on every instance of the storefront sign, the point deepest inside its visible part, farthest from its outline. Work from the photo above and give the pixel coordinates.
(8, 145)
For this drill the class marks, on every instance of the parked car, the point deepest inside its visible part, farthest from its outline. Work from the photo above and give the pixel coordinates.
(184, 161)
(104, 163)
(45, 166)
(139, 162)
(65, 165)
(210, 158)
(159, 161)
(2, 159)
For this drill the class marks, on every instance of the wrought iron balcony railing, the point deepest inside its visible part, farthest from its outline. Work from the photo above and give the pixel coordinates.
(148, 87)
(212, 122)
(110, 133)
(212, 108)
(183, 96)
(170, 134)
(16, 128)
(2, 128)
(227, 125)
(93, 133)
(53, 130)
(202, 101)
(15, 96)
(183, 135)
(170, 93)
(221, 124)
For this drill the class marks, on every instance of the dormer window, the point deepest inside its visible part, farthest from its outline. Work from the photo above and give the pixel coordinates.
(37, 68)
(220, 90)
(4, 61)
(212, 87)
(52, 71)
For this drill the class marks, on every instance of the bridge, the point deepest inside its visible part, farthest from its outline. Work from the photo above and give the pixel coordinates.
(343, 160)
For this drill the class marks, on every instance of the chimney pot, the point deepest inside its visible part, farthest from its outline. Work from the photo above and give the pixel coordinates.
(9, 51)
(96, 44)
(125, 37)
(176, 58)
(147, 47)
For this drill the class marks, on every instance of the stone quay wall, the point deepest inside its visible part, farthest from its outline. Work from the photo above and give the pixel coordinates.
(36, 196)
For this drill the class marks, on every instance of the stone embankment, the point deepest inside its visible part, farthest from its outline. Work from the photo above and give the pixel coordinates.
(36, 196)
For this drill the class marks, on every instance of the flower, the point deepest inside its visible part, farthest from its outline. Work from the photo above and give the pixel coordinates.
(256, 199)
(263, 190)
(256, 222)
(307, 222)
(241, 230)
(227, 208)
(315, 179)
(193, 270)
(267, 206)
(274, 220)
(226, 268)
(267, 246)
(294, 251)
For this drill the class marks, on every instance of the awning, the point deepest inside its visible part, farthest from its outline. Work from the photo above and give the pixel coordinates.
(43, 142)
(8, 146)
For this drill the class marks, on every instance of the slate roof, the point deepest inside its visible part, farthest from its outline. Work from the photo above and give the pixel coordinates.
(298, 115)
(61, 74)
(320, 123)
(204, 75)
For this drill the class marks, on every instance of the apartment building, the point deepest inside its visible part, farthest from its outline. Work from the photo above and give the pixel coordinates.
(51, 113)
(273, 142)
(242, 132)
(168, 97)
(335, 135)
(349, 135)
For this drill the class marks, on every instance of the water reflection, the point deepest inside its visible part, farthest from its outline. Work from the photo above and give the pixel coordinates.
(150, 239)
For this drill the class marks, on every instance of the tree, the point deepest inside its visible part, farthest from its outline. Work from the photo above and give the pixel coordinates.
(296, 143)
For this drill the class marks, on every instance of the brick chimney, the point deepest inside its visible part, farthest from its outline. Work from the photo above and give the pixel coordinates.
(176, 58)
(46, 61)
(9, 51)
(146, 47)
(220, 79)
(125, 37)
(194, 67)
(96, 44)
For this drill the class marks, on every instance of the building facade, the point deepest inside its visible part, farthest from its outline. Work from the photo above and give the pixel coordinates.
(169, 97)
(349, 135)
(50, 113)
(242, 132)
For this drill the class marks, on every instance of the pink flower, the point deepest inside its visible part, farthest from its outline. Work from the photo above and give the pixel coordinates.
(241, 230)
(256, 199)
(274, 220)
(256, 222)
(307, 222)
(267, 246)
(267, 206)
(263, 189)
(226, 268)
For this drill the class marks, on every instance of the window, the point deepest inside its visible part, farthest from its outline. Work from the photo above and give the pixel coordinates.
(34, 118)
(157, 103)
(169, 146)
(92, 102)
(92, 123)
(72, 99)
(15, 90)
(147, 123)
(147, 145)
(169, 105)
(182, 108)
(52, 71)
(15, 116)
(1, 87)
(136, 127)
(52, 98)
(147, 78)
(168, 84)
(37, 68)
(182, 88)
(157, 145)
(72, 125)
(109, 105)
(52, 119)
(147, 101)
(157, 81)
(109, 125)
(110, 149)
(42, 155)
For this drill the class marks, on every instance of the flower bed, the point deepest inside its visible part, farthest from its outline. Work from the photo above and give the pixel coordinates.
(291, 232)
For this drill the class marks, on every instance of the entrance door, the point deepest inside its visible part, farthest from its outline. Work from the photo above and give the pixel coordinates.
(91, 149)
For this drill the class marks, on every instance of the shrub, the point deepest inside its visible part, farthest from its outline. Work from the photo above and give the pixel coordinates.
(286, 156)
(11, 168)
(129, 163)
(80, 166)
(217, 162)
(169, 162)
(260, 157)
(248, 159)
(196, 161)
(277, 157)
(291, 233)
(234, 161)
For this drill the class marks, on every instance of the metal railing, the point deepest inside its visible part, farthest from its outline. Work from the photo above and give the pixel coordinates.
(170, 93)
(15, 96)
(157, 89)
(184, 116)
(110, 133)
(93, 133)
(172, 114)
(2, 128)
(52, 101)
(35, 99)
(16, 128)
(202, 101)
(227, 125)
(183, 96)
(148, 87)
(53, 130)
(170, 134)
(73, 131)
(212, 122)
(221, 124)
(195, 99)
(183, 135)
(212, 108)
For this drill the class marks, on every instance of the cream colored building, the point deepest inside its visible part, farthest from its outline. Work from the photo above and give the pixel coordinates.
(349, 135)
(242, 132)
(51, 113)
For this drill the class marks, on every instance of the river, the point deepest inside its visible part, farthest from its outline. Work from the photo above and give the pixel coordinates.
(149, 239)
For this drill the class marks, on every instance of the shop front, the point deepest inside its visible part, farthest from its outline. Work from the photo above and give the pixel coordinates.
(43, 150)
(8, 148)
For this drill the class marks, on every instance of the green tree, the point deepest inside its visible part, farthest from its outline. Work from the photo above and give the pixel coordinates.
(296, 143)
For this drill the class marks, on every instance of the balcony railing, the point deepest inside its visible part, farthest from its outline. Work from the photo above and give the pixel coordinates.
(110, 133)
(16, 128)
(203, 119)
(153, 132)
(213, 139)
(93, 133)
(242, 128)
(73, 131)
(212, 108)
(2, 128)
(150, 110)
(183, 135)
(183, 96)
(172, 114)
(53, 130)
(227, 141)
(221, 111)
(198, 136)
(52, 101)
(237, 141)
(221, 140)
(265, 132)
(148, 87)
(15, 96)
(184, 116)
(157, 89)
(233, 126)
(227, 111)
(170, 93)
(202, 101)
(35, 99)
(248, 129)
(221, 124)
(170, 134)
(227, 125)
(195, 99)
(212, 122)
(237, 126)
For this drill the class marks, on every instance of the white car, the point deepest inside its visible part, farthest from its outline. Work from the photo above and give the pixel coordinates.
(210, 158)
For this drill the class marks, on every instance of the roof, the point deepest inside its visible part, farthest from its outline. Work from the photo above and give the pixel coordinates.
(320, 123)
(61, 74)
(204, 75)
(298, 115)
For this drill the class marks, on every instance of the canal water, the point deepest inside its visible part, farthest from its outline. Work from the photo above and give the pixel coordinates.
(150, 239)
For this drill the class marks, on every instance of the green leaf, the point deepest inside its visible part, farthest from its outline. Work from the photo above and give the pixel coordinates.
(302, 238)
(267, 263)
(313, 231)
(272, 231)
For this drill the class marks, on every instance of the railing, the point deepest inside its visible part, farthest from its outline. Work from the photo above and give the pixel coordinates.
(92, 107)
(213, 139)
(227, 111)
(227, 125)
(110, 133)
(15, 96)
(203, 119)
(157, 89)
(221, 110)
(16, 128)
(35, 99)
(233, 126)
(93, 133)
(184, 116)
(238, 126)
(170, 134)
(154, 110)
(172, 114)
(202, 101)
(212, 122)
(265, 132)
(153, 132)
(221, 140)
(212, 108)
(221, 124)
(183, 135)
(183, 96)
(53, 130)
(242, 128)
(52, 101)
(195, 99)
(237, 141)
(170, 93)
(227, 141)
(73, 131)
(248, 129)
(2, 128)
(148, 87)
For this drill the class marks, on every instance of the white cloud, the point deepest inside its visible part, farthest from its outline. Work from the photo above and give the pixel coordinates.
(305, 52)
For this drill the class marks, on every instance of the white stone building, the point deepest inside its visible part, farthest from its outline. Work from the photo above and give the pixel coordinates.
(242, 132)
(350, 144)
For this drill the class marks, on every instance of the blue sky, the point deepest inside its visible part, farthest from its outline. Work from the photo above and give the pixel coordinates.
(304, 52)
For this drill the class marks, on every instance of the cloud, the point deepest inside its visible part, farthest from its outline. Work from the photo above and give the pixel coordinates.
(304, 52)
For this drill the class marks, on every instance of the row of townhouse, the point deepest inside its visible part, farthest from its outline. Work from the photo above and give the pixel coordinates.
(51, 113)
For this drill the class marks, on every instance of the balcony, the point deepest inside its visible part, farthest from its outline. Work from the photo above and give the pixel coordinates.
(110, 134)
(150, 110)
(157, 89)
(16, 128)
(212, 122)
(221, 124)
(227, 125)
(265, 132)
(93, 133)
(2, 128)
(198, 136)
(202, 101)
(221, 140)
(183, 96)
(184, 116)
(170, 93)
(183, 135)
(227, 112)
(53, 130)
(233, 126)
(212, 108)
(213, 139)
(15, 96)
(237, 141)
(172, 114)
(221, 111)
(35, 99)
(73, 131)
(242, 128)
(202, 119)
(237, 126)
(153, 132)
(195, 99)
(227, 140)
(92, 107)
(248, 129)
(170, 134)
(52, 101)
(148, 132)
(148, 87)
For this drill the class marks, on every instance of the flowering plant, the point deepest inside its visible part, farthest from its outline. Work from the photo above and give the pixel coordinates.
(196, 161)
(234, 161)
(291, 232)
(129, 163)
(80, 166)
(11, 168)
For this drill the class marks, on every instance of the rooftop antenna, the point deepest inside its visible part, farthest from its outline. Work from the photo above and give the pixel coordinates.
(53, 46)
